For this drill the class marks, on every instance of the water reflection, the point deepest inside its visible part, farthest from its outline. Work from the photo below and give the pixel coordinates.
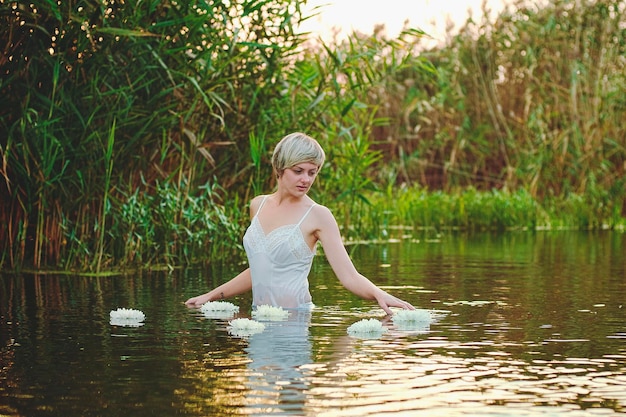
(278, 356)
(535, 325)
(441, 378)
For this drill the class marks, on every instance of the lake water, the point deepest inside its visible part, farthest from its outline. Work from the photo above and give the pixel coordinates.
(532, 324)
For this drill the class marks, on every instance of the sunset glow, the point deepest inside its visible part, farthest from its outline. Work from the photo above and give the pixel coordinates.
(432, 16)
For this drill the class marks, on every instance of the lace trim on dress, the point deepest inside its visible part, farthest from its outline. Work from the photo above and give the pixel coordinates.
(290, 233)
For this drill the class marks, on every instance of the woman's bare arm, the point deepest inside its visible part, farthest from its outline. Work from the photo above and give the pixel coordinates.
(338, 258)
(238, 285)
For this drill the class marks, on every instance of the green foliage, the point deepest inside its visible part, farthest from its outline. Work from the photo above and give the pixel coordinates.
(421, 211)
(131, 131)
(528, 100)
(179, 84)
(173, 227)
(344, 85)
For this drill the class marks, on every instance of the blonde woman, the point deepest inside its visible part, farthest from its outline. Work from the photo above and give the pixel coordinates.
(280, 242)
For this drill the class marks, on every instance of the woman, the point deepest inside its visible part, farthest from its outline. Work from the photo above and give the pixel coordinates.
(281, 239)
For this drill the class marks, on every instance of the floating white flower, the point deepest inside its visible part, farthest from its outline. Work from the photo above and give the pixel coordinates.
(219, 309)
(418, 319)
(127, 317)
(412, 316)
(367, 328)
(245, 327)
(270, 313)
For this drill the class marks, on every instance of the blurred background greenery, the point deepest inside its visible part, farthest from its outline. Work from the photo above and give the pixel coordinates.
(133, 133)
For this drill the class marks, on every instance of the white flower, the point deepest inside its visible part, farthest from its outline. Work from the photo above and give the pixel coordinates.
(270, 313)
(367, 328)
(219, 306)
(418, 319)
(412, 316)
(127, 314)
(127, 317)
(245, 327)
(219, 309)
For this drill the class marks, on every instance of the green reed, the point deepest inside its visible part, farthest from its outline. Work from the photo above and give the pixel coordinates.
(417, 211)
(134, 135)
(528, 100)
(170, 227)
(183, 82)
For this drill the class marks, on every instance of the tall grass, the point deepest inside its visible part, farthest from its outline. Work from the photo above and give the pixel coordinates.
(133, 133)
(529, 100)
(169, 227)
(418, 210)
(184, 82)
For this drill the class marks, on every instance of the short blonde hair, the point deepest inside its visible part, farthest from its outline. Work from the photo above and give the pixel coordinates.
(294, 149)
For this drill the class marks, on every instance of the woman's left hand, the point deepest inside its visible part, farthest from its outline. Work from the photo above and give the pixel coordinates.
(387, 300)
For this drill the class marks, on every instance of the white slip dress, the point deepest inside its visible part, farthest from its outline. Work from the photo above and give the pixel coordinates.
(280, 263)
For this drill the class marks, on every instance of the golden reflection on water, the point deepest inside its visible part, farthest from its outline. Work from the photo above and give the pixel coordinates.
(289, 370)
(390, 376)
(534, 327)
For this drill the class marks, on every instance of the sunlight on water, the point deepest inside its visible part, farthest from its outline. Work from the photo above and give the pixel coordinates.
(525, 326)
(399, 373)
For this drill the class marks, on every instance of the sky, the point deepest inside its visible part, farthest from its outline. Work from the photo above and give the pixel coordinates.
(363, 15)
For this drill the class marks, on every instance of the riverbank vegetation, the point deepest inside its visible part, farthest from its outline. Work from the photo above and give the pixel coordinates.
(133, 133)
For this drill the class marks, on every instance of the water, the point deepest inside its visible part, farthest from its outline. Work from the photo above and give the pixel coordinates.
(534, 324)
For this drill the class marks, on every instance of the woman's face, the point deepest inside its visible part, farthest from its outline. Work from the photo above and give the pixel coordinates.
(299, 178)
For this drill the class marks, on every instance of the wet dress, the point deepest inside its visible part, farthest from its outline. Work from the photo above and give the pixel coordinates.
(280, 262)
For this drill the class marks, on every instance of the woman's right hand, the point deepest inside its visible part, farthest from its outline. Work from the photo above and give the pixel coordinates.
(197, 301)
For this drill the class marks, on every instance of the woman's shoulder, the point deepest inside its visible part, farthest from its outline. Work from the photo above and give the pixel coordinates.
(255, 203)
(322, 212)
(258, 199)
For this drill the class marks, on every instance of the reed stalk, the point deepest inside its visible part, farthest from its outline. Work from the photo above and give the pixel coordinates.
(105, 204)
(134, 135)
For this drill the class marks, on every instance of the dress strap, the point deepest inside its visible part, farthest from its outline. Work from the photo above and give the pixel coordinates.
(261, 206)
(306, 214)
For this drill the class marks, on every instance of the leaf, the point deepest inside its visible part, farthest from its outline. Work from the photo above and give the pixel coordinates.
(125, 32)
